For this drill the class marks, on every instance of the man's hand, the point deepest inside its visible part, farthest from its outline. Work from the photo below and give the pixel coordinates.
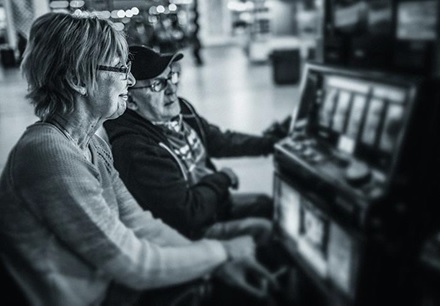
(232, 177)
(259, 228)
(248, 275)
(277, 129)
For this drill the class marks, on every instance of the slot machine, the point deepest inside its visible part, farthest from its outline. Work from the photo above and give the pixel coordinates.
(356, 179)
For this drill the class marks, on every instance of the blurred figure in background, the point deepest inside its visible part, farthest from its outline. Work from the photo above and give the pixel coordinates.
(195, 39)
(163, 148)
(168, 35)
(71, 233)
(139, 31)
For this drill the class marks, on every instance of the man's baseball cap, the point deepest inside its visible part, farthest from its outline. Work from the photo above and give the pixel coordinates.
(147, 64)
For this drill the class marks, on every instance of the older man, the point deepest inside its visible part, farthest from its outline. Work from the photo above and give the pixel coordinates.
(163, 148)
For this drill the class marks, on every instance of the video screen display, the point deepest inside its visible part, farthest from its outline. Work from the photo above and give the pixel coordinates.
(323, 244)
(358, 117)
(380, 16)
(417, 20)
(358, 17)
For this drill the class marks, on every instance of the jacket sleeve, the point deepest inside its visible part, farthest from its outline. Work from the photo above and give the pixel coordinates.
(235, 144)
(67, 196)
(156, 181)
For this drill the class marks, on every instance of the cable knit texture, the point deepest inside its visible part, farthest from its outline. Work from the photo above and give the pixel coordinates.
(69, 227)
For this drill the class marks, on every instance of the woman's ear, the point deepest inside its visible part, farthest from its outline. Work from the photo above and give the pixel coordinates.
(80, 88)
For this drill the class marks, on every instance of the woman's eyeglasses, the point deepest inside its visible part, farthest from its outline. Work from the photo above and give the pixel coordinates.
(160, 84)
(124, 69)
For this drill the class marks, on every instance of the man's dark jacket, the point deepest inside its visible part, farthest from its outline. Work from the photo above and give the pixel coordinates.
(144, 158)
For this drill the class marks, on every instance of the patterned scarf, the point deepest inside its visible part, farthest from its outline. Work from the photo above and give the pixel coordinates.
(187, 145)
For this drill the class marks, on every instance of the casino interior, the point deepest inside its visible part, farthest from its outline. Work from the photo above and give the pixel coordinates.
(355, 182)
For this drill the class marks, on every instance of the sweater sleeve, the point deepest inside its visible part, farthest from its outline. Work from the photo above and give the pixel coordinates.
(142, 222)
(67, 195)
(132, 215)
(154, 178)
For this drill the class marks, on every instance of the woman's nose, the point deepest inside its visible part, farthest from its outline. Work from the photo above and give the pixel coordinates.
(131, 80)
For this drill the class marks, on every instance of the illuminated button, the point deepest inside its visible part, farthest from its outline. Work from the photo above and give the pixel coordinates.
(308, 142)
(297, 146)
(317, 158)
(309, 153)
(358, 174)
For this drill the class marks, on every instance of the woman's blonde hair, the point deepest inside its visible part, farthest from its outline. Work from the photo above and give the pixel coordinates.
(64, 51)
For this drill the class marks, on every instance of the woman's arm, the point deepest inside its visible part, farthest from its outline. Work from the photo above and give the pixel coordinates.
(71, 197)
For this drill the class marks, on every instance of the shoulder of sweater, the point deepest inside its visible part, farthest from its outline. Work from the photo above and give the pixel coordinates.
(41, 137)
(45, 150)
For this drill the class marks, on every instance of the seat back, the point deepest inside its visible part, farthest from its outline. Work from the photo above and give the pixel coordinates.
(12, 295)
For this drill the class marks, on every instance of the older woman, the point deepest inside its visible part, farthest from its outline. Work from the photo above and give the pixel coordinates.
(68, 225)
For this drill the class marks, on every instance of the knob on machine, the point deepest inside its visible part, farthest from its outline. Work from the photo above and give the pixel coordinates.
(357, 174)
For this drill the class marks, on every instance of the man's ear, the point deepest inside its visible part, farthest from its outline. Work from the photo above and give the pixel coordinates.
(131, 104)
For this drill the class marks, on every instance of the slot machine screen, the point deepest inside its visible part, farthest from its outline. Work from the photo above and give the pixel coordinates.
(327, 247)
(358, 117)
(417, 20)
(359, 17)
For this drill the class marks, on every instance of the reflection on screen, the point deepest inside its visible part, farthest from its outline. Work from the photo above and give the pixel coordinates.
(357, 112)
(325, 115)
(289, 210)
(312, 226)
(372, 122)
(392, 126)
(341, 111)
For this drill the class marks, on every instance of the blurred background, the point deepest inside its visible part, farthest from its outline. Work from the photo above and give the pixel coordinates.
(227, 71)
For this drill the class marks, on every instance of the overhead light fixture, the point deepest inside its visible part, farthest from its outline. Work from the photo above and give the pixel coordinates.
(76, 4)
(172, 7)
(59, 4)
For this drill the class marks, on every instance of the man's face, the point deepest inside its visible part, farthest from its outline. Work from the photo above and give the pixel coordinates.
(155, 106)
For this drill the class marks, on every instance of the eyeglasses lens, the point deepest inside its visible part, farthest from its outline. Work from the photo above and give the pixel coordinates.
(161, 84)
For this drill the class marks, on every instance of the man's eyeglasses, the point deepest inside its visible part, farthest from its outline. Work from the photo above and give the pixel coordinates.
(124, 69)
(160, 84)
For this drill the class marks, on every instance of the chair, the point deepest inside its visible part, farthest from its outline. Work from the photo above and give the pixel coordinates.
(12, 295)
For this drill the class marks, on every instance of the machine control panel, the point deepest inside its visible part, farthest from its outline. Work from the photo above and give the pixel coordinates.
(352, 175)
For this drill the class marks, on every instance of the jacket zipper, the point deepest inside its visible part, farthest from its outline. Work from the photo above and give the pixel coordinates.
(181, 166)
(196, 117)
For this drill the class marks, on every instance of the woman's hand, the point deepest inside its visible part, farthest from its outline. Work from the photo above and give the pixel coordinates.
(242, 247)
(248, 275)
(259, 228)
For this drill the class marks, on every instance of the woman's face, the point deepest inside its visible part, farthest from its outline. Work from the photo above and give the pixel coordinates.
(110, 97)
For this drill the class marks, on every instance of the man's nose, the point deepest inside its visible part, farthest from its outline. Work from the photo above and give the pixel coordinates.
(171, 88)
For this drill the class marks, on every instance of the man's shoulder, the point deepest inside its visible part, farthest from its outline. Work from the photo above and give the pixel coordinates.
(128, 128)
(186, 106)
